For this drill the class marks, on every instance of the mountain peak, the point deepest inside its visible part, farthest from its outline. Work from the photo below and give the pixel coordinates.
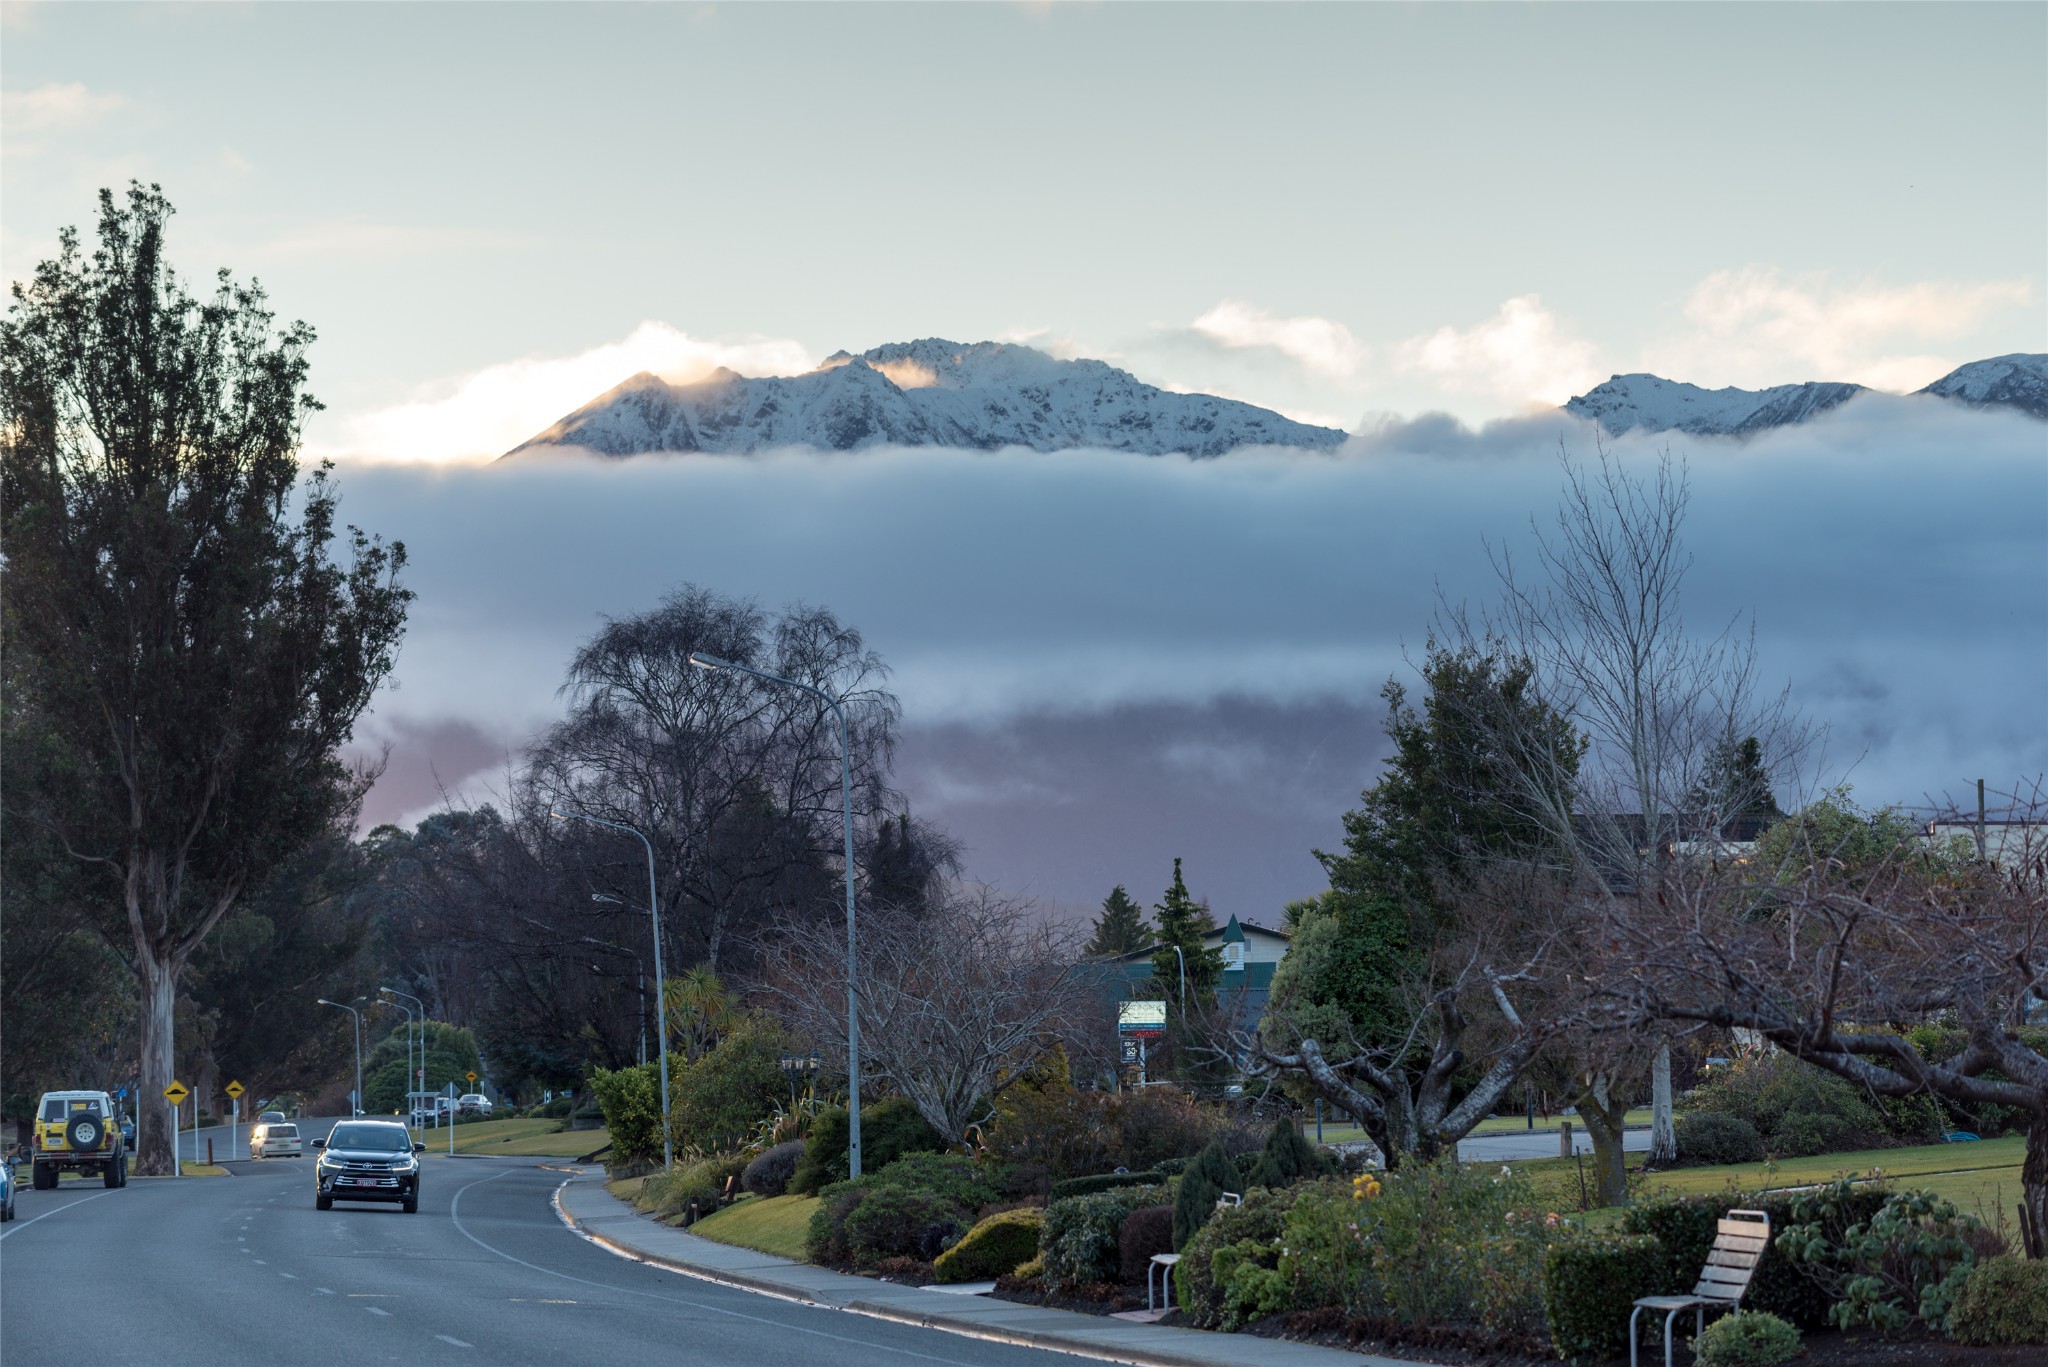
(1654, 404)
(2018, 380)
(928, 392)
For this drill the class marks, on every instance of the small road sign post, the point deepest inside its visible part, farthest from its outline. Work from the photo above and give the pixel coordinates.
(451, 1120)
(176, 1094)
(471, 1075)
(234, 1091)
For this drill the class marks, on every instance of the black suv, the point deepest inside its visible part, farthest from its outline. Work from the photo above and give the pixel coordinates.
(367, 1160)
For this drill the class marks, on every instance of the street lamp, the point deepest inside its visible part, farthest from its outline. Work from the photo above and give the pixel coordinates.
(355, 1106)
(640, 964)
(413, 1082)
(703, 661)
(668, 1143)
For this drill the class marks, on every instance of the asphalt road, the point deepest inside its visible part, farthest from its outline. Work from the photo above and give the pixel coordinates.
(243, 1269)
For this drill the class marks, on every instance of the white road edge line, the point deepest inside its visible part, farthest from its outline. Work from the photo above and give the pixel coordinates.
(698, 1274)
(455, 1218)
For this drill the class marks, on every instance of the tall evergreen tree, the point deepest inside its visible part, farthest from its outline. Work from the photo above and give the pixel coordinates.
(1181, 924)
(200, 656)
(1121, 928)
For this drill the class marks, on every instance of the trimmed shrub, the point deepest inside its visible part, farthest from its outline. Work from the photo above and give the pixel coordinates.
(888, 1129)
(1286, 1159)
(1080, 1242)
(769, 1173)
(1103, 1181)
(1201, 1186)
(948, 1189)
(1147, 1230)
(900, 1222)
(1907, 1262)
(996, 1247)
(1590, 1287)
(2004, 1300)
(1196, 1286)
(1711, 1137)
(1793, 1292)
(1747, 1338)
(1799, 1109)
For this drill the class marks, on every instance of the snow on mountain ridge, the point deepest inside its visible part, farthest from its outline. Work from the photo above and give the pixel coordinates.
(2018, 380)
(1655, 404)
(931, 392)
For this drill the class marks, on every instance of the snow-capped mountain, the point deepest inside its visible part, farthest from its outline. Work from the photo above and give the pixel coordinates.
(2016, 381)
(933, 392)
(1651, 403)
(1654, 404)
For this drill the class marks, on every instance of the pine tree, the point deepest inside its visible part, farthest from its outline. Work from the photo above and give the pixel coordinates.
(1121, 928)
(1288, 1158)
(1182, 924)
(1201, 1187)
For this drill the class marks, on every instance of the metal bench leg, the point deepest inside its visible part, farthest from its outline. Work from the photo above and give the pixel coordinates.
(1633, 1337)
(1669, 1320)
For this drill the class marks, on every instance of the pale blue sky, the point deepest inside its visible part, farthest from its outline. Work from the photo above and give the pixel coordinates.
(1725, 193)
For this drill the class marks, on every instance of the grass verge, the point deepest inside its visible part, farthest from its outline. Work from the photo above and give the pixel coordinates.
(518, 1139)
(766, 1224)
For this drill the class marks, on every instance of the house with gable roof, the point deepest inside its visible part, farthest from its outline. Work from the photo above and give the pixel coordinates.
(1251, 952)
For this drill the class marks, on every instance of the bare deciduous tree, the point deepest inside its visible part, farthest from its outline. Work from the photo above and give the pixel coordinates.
(954, 1005)
(1600, 621)
(1831, 965)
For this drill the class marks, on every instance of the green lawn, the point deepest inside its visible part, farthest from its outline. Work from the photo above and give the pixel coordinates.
(518, 1138)
(767, 1224)
(1982, 1178)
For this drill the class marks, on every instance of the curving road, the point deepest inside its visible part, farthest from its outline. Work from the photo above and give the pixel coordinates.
(243, 1269)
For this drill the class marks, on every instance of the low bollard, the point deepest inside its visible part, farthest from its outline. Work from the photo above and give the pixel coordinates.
(209, 1151)
(1564, 1139)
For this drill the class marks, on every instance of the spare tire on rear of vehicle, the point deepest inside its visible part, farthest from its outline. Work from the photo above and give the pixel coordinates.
(84, 1132)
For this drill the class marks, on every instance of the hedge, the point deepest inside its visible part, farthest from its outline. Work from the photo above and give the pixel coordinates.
(1590, 1287)
(1081, 1240)
(1686, 1228)
(888, 1129)
(996, 1247)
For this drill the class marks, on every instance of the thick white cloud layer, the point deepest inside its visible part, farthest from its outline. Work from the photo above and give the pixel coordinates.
(1225, 624)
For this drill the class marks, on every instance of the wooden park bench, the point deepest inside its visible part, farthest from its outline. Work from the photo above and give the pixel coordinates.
(1739, 1245)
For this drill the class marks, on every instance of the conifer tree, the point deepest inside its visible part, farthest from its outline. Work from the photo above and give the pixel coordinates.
(1182, 923)
(1121, 928)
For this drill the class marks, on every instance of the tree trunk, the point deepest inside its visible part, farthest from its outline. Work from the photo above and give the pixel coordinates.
(1663, 1136)
(1604, 1112)
(2034, 1187)
(159, 998)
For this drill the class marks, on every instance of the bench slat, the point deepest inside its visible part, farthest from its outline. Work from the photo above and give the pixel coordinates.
(1724, 1276)
(1747, 1227)
(1719, 1294)
(1732, 1257)
(1735, 1245)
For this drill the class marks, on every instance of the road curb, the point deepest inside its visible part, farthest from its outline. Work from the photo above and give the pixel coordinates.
(1071, 1343)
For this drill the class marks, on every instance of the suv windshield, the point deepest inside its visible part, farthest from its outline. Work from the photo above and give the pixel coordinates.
(391, 1138)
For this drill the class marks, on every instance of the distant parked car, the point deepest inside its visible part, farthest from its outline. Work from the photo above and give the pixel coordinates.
(475, 1103)
(275, 1140)
(270, 1117)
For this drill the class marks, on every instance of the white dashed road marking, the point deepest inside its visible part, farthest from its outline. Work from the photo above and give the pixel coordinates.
(457, 1342)
(376, 1310)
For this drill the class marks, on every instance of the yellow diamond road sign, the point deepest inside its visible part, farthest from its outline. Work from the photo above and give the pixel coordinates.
(470, 1076)
(234, 1090)
(177, 1092)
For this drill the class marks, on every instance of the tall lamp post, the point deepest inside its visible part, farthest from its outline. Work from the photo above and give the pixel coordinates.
(355, 1106)
(413, 1081)
(703, 661)
(639, 964)
(668, 1143)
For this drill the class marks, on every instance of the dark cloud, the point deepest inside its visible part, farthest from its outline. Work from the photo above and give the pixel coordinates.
(1044, 613)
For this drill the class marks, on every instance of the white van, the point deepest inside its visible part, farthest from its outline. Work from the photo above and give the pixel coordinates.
(276, 1139)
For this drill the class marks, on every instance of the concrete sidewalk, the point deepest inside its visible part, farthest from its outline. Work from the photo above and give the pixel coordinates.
(601, 1217)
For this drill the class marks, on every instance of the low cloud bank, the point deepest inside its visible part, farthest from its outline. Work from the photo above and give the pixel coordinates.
(1220, 623)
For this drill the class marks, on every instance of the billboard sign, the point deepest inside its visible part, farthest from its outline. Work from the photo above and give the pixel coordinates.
(1142, 1020)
